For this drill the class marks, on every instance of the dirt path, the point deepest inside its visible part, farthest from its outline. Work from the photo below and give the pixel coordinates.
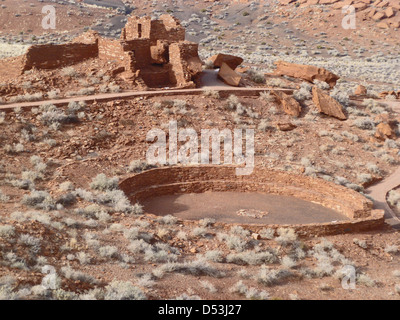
(380, 190)
(132, 94)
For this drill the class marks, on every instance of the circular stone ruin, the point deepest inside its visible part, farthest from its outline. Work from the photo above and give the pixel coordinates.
(266, 198)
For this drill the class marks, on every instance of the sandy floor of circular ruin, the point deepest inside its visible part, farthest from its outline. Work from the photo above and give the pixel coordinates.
(236, 207)
(264, 198)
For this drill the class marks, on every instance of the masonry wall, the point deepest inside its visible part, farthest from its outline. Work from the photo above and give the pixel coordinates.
(220, 178)
(58, 56)
(196, 179)
(131, 29)
(185, 63)
(167, 28)
(112, 50)
(141, 51)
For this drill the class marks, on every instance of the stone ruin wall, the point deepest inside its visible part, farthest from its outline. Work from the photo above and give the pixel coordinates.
(157, 53)
(184, 61)
(57, 56)
(178, 180)
(167, 28)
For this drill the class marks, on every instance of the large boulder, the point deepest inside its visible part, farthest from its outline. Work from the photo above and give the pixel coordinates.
(305, 72)
(289, 104)
(327, 105)
(229, 76)
(232, 61)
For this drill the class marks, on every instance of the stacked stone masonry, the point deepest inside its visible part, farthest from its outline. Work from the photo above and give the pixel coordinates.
(153, 52)
(198, 179)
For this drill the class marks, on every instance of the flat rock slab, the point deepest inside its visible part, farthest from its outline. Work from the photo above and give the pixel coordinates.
(232, 61)
(305, 72)
(229, 76)
(289, 104)
(327, 105)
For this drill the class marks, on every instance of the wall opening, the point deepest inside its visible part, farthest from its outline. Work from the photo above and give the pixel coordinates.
(139, 30)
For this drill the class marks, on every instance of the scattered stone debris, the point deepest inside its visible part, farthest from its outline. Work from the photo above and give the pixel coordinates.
(327, 105)
(252, 213)
(305, 72)
(289, 104)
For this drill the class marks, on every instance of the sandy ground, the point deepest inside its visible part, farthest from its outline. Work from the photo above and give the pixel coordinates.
(227, 207)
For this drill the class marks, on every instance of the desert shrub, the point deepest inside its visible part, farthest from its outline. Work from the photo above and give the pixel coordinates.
(371, 167)
(393, 249)
(267, 233)
(232, 102)
(109, 252)
(270, 277)
(75, 275)
(394, 198)
(7, 231)
(341, 96)
(249, 293)
(123, 290)
(365, 280)
(39, 200)
(364, 178)
(286, 236)
(139, 246)
(196, 268)
(102, 183)
(161, 253)
(32, 242)
(50, 115)
(214, 256)
(139, 166)
(252, 258)
(364, 124)
(234, 242)
(211, 93)
(207, 222)
(304, 93)
(200, 232)
(321, 84)
(3, 197)
(256, 76)
(239, 231)
(69, 71)
(267, 96)
(168, 220)
(2, 117)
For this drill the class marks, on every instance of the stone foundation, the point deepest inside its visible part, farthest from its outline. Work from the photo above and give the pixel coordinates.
(197, 179)
(154, 49)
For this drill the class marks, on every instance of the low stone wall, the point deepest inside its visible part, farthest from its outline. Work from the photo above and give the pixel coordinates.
(57, 56)
(198, 179)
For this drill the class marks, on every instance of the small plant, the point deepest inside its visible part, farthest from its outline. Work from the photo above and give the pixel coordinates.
(168, 220)
(249, 293)
(3, 197)
(286, 236)
(211, 93)
(270, 277)
(139, 166)
(102, 183)
(123, 290)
